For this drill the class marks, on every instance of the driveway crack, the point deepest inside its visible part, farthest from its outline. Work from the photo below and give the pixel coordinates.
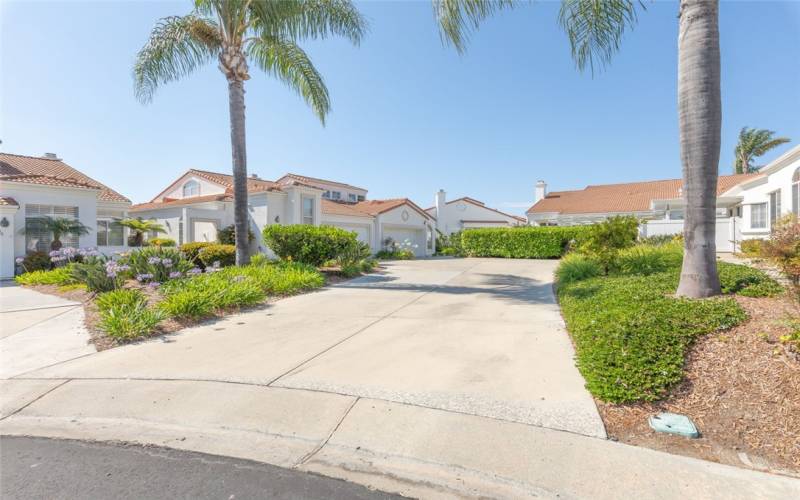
(308, 456)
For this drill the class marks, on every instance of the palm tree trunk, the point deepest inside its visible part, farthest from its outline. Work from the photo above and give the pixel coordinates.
(700, 121)
(239, 150)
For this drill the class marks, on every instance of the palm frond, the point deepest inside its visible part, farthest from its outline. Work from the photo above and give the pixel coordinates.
(596, 27)
(752, 143)
(458, 19)
(304, 19)
(285, 60)
(176, 47)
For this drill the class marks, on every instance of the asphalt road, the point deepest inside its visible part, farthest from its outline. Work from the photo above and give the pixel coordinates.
(54, 469)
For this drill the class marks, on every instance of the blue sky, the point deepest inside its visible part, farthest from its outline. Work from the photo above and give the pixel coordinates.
(409, 115)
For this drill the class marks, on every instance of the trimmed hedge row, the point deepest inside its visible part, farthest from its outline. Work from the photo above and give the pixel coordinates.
(521, 242)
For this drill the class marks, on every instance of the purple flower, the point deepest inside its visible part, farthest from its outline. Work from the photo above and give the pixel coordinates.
(111, 274)
(175, 274)
(124, 267)
(153, 260)
(194, 271)
(144, 277)
(153, 284)
(55, 253)
(167, 262)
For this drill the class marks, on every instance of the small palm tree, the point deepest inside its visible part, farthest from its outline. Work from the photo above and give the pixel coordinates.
(595, 29)
(233, 32)
(58, 226)
(140, 226)
(754, 142)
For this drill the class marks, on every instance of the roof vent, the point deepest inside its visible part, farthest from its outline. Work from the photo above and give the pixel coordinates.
(51, 156)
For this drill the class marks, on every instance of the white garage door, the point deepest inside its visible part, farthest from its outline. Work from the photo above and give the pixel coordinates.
(362, 232)
(412, 236)
(204, 230)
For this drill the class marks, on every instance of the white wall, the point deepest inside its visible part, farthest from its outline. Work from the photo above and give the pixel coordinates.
(206, 187)
(392, 224)
(449, 220)
(780, 180)
(364, 227)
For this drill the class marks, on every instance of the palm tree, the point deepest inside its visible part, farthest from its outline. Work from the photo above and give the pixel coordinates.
(754, 142)
(140, 226)
(595, 29)
(236, 33)
(58, 226)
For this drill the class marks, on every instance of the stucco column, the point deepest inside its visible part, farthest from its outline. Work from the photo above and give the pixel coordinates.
(185, 218)
(7, 233)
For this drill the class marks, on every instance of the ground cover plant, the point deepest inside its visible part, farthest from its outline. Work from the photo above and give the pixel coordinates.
(60, 276)
(631, 333)
(124, 314)
(526, 242)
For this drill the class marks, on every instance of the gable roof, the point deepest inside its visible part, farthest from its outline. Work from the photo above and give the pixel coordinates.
(172, 202)
(287, 178)
(621, 198)
(375, 207)
(480, 204)
(51, 172)
(254, 184)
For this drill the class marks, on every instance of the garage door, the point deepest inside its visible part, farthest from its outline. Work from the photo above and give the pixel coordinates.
(401, 236)
(362, 232)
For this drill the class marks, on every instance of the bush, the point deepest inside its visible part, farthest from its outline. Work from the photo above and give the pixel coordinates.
(745, 280)
(631, 337)
(124, 314)
(604, 240)
(783, 248)
(155, 264)
(59, 276)
(308, 244)
(259, 259)
(449, 245)
(526, 242)
(659, 239)
(160, 242)
(35, 261)
(751, 248)
(281, 278)
(200, 296)
(644, 260)
(191, 251)
(577, 267)
(401, 254)
(224, 255)
(227, 235)
(99, 274)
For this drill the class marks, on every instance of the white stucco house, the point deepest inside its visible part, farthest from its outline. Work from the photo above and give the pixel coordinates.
(32, 186)
(747, 204)
(199, 203)
(464, 213)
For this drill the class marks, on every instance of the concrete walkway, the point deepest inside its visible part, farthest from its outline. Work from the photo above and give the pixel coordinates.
(38, 330)
(438, 378)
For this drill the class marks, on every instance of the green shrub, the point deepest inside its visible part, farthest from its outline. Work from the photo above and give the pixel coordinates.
(752, 248)
(577, 267)
(659, 239)
(281, 278)
(308, 244)
(160, 242)
(400, 254)
(36, 261)
(227, 235)
(259, 259)
(221, 255)
(526, 242)
(631, 336)
(200, 296)
(99, 274)
(747, 281)
(643, 260)
(124, 314)
(58, 276)
(449, 245)
(191, 251)
(155, 264)
(783, 248)
(604, 240)
(368, 265)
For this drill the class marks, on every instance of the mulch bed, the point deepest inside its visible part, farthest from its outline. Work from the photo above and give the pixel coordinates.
(742, 390)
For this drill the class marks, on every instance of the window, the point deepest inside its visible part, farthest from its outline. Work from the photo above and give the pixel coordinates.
(796, 192)
(109, 233)
(191, 188)
(336, 195)
(676, 215)
(774, 206)
(361, 197)
(351, 198)
(758, 216)
(326, 195)
(38, 239)
(308, 210)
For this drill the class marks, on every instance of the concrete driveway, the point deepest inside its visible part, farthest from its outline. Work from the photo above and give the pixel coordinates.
(435, 378)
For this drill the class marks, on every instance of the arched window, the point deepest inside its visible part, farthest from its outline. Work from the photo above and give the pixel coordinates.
(191, 188)
(796, 192)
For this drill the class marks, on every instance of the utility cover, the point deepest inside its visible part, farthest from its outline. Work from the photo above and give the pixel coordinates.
(673, 423)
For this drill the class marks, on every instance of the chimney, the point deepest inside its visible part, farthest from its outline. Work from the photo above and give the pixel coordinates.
(540, 192)
(50, 156)
(440, 201)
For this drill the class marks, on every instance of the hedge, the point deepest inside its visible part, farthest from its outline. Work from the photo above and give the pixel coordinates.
(308, 244)
(521, 242)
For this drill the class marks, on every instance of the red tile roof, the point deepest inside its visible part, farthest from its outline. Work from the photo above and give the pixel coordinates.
(8, 202)
(286, 179)
(172, 202)
(622, 198)
(51, 172)
(338, 208)
(375, 207)
(253, 184)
